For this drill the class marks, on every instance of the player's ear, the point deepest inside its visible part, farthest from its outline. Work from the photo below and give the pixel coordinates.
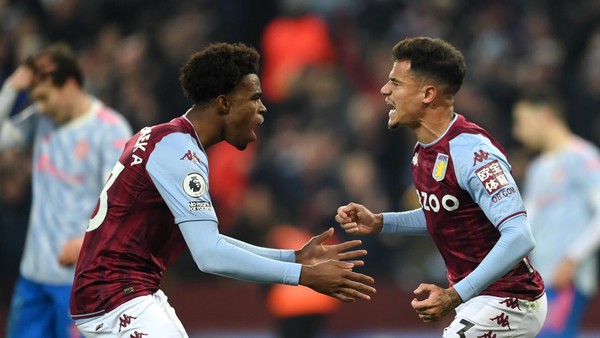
(429, 94)
(223, 105)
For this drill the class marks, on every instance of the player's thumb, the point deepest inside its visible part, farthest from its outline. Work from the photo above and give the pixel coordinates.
(324, 236)
(419, 290)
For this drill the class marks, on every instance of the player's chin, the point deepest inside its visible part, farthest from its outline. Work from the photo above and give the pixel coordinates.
(244, 143)
(393, 125)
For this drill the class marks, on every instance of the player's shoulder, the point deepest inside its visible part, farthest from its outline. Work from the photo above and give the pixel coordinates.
(106, 115)
(582, 154)
(466, 136)
(159, 131)
(583, 149)
(472, 143)
(471, 151)
(171, 135)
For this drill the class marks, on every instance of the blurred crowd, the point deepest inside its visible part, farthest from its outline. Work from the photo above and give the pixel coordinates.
(325, 141)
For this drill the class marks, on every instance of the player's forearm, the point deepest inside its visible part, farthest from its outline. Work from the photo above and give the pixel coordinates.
(8, 95)
(11, 133)
(213, 254)
(280, 255)
(407, 222)
(515, 242)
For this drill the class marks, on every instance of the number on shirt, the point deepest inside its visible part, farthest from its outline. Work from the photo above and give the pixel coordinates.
(467, 324)
(100, 215)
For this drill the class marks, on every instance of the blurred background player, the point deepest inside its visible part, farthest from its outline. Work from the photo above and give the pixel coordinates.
(157, 202)
(76, 141)
(470, 204)
(562, 194)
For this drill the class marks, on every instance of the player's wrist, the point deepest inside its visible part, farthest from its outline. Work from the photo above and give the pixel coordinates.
(306, 272)
(298, 256)
(455, 299)
(378, 223)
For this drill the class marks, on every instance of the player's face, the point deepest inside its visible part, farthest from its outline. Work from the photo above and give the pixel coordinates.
(405, 93)
(246, 112)
(527, 124)
(49, 98)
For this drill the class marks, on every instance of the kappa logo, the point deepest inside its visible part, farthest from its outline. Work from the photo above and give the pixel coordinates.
(190, 155)
(136, 334)
(194, 185)
(440, 166)
(488, 334)
(480, 157)
(124, 321)
(415, 160)
(502, 320)
(511, 303)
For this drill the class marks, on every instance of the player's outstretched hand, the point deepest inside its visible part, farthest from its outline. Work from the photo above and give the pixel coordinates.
(437, 305)
(314, 251)
(357, 219)
(336, 279)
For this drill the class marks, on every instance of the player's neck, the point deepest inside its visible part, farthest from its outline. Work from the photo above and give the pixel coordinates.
(434, 124)
(81, 104)
(205, 124)
(557, 139)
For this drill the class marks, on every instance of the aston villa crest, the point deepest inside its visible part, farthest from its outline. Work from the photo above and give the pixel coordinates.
(440, 166)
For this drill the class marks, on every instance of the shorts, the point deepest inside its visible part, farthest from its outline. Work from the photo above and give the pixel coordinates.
(498, 317)
(40, 310)
(143, 316)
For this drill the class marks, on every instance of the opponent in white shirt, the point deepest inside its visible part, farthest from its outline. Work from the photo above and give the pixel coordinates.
(76, 141)
(562, 195)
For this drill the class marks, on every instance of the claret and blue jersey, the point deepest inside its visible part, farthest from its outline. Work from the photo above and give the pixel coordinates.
(145, 232)
(466, 192)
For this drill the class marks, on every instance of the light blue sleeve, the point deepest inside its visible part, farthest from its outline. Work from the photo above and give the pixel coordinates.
(586, 170)
(516, 241)
(280, 255)
(484, 172)
(16, 131)
(182, 181)
(407, 222)
(215, 254)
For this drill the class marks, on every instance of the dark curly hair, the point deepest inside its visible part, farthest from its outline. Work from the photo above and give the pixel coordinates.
(216, 70)
(433, 58)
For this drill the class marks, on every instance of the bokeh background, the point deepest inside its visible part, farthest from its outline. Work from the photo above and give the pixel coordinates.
(325, 140)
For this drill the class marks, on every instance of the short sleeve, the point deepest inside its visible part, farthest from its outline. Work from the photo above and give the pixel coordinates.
(179, 169)
(484, 172)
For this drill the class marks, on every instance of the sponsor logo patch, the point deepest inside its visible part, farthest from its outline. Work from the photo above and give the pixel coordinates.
(194, 185)
(492, 177)
(440, 166)
(199, 206)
